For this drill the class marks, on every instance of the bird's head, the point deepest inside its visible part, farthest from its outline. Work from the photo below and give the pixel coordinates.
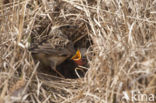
(77, 58)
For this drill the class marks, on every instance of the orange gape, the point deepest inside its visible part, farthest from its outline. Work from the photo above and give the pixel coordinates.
(77, 58)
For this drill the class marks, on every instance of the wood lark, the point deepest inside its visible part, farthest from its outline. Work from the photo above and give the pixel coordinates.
(54, 50)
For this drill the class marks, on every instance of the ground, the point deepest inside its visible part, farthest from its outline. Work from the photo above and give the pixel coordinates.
(119, 36)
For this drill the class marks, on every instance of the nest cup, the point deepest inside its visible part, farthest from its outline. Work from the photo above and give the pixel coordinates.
(76, 33)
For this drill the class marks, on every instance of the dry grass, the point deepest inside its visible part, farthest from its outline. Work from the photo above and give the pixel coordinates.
(121, 58)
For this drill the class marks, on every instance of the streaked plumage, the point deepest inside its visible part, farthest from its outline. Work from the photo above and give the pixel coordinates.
(53, 51)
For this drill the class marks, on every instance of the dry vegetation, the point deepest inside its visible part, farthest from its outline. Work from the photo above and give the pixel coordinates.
(121, 57)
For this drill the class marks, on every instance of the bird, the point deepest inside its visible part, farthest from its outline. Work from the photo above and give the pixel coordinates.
(80, 57)
(54, 50)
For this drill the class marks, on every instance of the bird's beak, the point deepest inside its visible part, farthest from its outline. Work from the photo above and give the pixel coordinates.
(77, 58)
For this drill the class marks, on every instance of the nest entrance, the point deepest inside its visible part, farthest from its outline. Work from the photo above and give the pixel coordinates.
(69, 69)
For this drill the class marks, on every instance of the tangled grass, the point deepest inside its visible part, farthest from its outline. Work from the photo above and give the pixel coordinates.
(121, 56)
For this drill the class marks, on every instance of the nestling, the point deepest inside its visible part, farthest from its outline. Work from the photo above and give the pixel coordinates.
(80, 57)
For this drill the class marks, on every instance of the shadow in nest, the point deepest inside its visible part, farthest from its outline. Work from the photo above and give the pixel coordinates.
(69, 69)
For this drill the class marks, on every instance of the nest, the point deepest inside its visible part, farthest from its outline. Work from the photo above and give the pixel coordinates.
(119, 38)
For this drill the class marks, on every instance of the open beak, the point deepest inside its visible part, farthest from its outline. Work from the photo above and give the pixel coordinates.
(77, 58)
